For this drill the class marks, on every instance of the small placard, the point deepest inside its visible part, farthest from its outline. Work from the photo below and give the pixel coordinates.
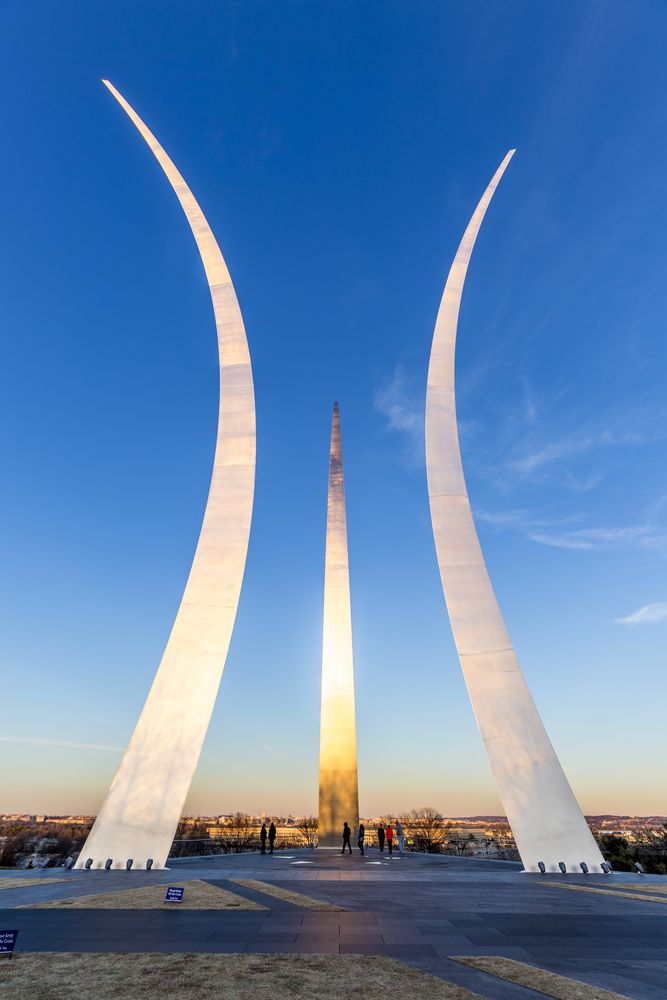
(7, 942)
(174, 894)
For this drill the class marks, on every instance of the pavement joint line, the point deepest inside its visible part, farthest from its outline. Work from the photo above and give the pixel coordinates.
(474, 910)
(551, 984)
(609, 892)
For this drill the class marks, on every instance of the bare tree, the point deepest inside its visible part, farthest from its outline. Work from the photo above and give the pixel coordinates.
(240, 833)
(13, 849)
(308, 826)
(426, 828)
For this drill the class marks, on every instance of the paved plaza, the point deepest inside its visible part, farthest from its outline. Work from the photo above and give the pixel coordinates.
(424, 910)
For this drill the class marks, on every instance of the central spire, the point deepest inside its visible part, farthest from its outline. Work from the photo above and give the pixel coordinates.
(339, 793)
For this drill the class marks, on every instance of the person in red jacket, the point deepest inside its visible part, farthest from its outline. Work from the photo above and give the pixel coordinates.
(390, 837)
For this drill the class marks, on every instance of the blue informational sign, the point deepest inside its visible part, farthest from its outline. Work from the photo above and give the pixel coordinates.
(7, 942)
(174, 895)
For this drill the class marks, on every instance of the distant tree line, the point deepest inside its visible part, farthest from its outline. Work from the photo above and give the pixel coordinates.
(27, 844)
(24, 844)
(649, 848)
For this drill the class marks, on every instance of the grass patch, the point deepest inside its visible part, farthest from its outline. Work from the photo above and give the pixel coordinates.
(75, 976)
(633, 894)
(198, 896)
(307, 902)
(552, 985)
(646, 887)
(19, 883)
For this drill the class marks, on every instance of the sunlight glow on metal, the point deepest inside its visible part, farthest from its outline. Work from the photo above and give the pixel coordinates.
(339, 794)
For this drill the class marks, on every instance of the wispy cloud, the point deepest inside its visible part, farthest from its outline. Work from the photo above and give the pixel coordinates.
(356, 298)
(539, 440)
(398, 403)
(504, 518)
(523, 519)
(559, 533)
(38, 741)
(649, 614)
(631, 536)
(536, 461)
(531, 405)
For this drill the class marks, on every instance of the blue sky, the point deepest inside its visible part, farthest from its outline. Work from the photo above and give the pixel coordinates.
(338, 150)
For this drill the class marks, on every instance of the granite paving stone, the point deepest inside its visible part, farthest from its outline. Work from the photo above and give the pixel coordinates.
(419, 909)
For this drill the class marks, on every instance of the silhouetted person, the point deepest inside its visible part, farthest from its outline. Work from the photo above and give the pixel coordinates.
(381, 838)
(346, 838)
(390, 837)
(262, 838)
(360, 839)
(400, 833)
(272, 836)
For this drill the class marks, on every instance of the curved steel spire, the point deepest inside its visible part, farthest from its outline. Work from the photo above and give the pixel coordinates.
(140, 814)
(541, 808)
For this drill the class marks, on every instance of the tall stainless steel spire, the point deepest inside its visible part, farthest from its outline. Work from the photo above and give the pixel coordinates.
(140, 814)
(545, 817)
(339, 794)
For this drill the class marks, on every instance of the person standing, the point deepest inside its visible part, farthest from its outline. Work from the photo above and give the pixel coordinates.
(400, 833)
(360, 839)
(347, 833)
(262, 838)
(390, 837)
(272, 836)
(381, 838)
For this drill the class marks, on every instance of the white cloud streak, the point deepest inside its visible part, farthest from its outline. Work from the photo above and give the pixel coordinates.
(632, 536)
(523, 519)
(535, 462)
(649, 614)
(558, 533)
(573, 461)
(402, 412)
(37, 741)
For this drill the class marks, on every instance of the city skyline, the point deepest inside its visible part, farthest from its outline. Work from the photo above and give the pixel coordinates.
(338, 201)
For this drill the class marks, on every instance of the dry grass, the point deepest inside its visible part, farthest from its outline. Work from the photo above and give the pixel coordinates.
(552, 985)
(198, 896)
(19, 883)
(646, 887)
(74, 976)
(633, 894)
(307, 902)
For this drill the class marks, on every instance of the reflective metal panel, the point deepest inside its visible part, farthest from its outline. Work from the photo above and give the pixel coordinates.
(541, 808)
(139, 816)
(339, 795)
